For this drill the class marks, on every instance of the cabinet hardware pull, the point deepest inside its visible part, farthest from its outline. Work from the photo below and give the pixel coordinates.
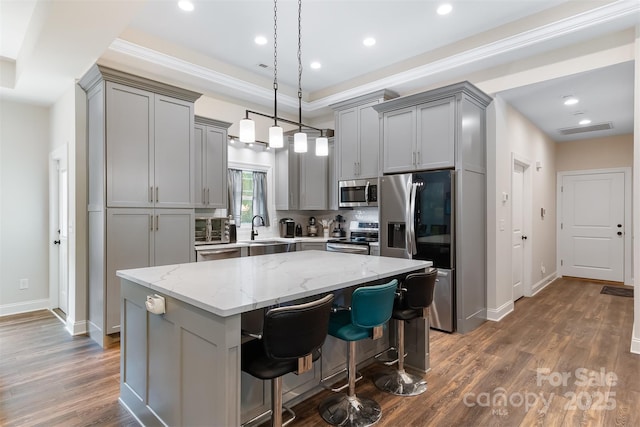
(418, 158)
(157, 222)
(157, 198)
(151, 194)
(151, 223)
(203, 196)
(208, 195)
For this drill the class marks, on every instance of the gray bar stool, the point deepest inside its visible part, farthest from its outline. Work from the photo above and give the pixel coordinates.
(370, 309)
(413, 301)
(290, 342)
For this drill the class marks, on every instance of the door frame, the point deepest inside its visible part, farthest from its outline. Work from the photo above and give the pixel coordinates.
(628, 221)
(58, 154)
(527, 221)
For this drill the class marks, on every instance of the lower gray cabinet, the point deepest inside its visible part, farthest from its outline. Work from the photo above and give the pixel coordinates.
(138, 238)
(313, 246)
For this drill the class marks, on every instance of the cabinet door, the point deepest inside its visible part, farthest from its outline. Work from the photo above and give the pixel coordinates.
(199, 165)
(333, 177)
(436, 134)
(313, 182)
(347, 135)
(129, 146)
(287, 171)
(129, 242)
(173, 236)
(399, 140)
(173, 152)
(369, 138)
(216, 168)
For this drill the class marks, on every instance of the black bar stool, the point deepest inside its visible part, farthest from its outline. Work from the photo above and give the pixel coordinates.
(412, 301)
(290, 342)
(370, 309)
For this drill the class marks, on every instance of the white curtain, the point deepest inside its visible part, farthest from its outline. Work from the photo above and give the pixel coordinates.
(260, 196)
(235, 194)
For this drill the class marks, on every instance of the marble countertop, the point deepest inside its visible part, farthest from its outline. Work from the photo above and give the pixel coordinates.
(230, 286)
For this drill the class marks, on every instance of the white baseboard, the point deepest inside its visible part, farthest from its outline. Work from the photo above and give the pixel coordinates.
(497, 314)
(76, 328)
(635, 341)
(24, 307)
(543, 283)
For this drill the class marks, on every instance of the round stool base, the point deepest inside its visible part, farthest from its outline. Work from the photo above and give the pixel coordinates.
(342, 410)
(402, 383)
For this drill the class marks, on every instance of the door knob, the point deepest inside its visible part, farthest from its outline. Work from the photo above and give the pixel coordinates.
(619, 225)
(56, 242)
(524, 237)
(619, 233)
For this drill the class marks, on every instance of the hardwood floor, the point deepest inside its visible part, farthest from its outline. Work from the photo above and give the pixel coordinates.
(508, 373)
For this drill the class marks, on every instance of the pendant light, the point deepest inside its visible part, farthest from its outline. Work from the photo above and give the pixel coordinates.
(300, 138)
(322, 146)
(276, 138)
(247, 130)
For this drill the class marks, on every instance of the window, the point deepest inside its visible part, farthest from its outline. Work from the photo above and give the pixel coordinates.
(247, 196)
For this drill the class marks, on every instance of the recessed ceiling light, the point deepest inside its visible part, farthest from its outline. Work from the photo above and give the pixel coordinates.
(315, 65)
(570, 100)
(584, 122)
(369, 41)
(444, 9)
(185, 5)
(261, 40)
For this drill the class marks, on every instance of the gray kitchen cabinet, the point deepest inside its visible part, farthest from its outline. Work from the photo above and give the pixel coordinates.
(357, 135)
(143, 238)
(302, 179)
(140, 176)
(437, 129)
(210, 164)
(314, 181)
(149, 148)
(333, 177)
(313, 246)
(420, 137)
(287, 178)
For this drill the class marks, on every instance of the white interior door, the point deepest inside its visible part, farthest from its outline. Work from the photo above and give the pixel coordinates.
(519, 237)
(592, 226)
(63, 220)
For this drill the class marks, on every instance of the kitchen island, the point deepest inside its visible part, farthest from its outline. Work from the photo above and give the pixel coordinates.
(183, 367)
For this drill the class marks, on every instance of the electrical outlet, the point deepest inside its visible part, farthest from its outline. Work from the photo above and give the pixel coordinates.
(24, 283)
(542, 269)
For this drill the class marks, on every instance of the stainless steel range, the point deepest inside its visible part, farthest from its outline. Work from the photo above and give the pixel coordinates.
(360, 235)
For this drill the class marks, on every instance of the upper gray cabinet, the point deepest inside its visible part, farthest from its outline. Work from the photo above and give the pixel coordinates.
(438, 129)
(210, 164)
(303, 179)
(357, 136)
(149, 148)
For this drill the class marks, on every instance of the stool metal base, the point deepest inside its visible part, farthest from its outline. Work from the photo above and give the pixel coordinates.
(343, 410)
(402, 383)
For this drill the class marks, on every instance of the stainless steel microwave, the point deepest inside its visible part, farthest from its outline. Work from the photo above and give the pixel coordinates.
(359, 192)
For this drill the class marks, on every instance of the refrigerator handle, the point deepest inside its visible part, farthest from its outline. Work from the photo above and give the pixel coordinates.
(408, 216)
(414, 248)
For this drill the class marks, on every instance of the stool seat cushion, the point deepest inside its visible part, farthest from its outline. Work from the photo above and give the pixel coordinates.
(256, 362)
(406, 314)
(340, 326)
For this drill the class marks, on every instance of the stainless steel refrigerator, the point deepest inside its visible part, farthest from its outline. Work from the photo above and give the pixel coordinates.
(421, 217)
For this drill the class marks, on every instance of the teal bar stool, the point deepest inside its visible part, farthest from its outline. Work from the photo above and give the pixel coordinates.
(371, 308)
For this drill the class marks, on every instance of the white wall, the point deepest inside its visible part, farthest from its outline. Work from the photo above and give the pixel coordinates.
(24, 198)
(511, 134)
(68, 119)
(635, 338)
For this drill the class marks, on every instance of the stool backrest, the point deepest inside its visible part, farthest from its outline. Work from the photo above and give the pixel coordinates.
(372, 305)
(420, 288)
(295, 331)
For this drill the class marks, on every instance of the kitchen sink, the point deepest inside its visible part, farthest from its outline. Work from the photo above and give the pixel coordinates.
(264, 247)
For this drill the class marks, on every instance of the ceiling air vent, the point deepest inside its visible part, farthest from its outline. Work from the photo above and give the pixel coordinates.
(263, 66)
(582, 129)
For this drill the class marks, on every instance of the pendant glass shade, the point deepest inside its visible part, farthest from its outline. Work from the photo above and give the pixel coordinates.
(276, 139)
(300, 142)
(247, 130)
(322, 146)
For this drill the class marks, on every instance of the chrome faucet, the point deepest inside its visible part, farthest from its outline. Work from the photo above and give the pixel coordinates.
(254, 233)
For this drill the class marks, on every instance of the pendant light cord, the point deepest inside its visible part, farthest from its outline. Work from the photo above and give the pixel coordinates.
(300, 64)
(275, 62)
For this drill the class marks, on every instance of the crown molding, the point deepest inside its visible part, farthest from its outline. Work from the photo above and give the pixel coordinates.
(597, 16)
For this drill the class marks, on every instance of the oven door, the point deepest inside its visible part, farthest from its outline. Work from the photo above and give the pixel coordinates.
(348, 248)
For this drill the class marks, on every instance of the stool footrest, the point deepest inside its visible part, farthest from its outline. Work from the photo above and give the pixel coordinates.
(387, 361)
(323, 381)
(268, 413)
